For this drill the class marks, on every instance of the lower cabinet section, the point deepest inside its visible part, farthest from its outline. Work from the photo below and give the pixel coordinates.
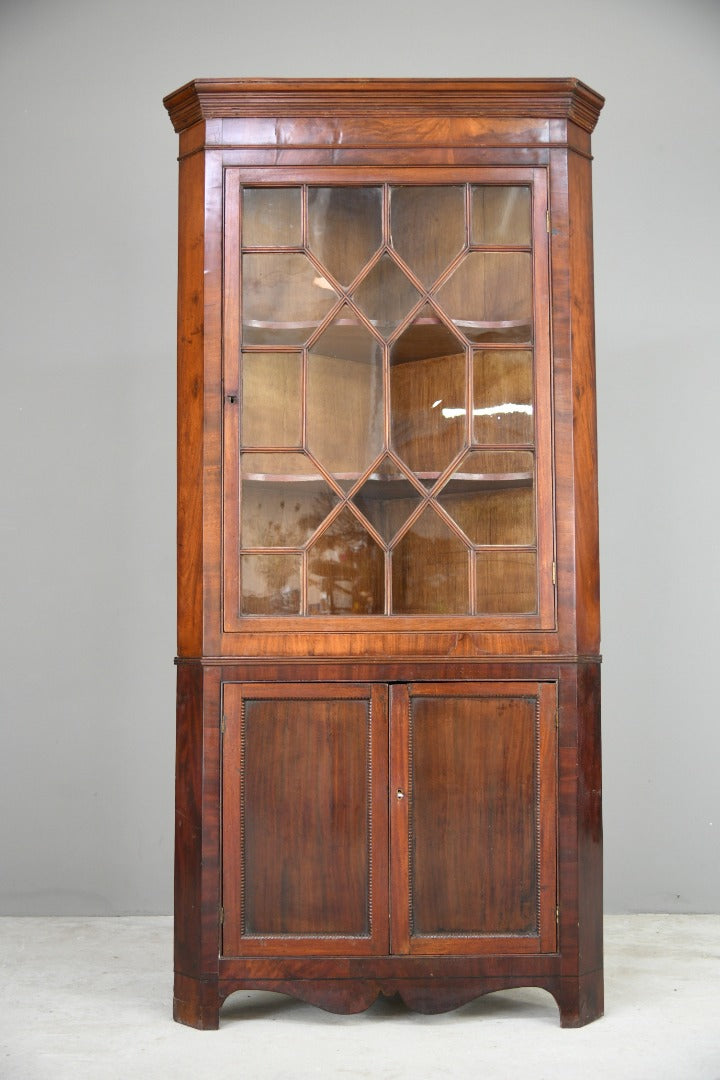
(437, 839)
(457, 781)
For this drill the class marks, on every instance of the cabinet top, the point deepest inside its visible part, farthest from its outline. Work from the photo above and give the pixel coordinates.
(206, 99)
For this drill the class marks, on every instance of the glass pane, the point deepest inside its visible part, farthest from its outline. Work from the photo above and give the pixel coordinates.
(346, 570)
(345, 398)
(428, 227)
(490, 495)
(387, 498)
(501, 215)
(428, 395)
(489, 297)
(283, 500)
(506, 582)
(430, 570)
(271, 217)
(270, 584)
(283, 297)
(502, 396)
(271, 399)
(344, 228)
(386, 295)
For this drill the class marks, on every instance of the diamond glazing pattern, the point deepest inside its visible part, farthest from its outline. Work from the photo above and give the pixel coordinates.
(379, 325)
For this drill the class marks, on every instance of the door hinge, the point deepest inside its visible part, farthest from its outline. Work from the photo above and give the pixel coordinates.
(554, 573)
(557, 915)
(222, 725)
(547, 220)
(557, 719)
(221, 915)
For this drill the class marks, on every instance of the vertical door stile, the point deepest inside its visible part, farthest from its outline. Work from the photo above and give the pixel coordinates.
(232, 818)
(399, 800)
(548, 809)
(378, 823)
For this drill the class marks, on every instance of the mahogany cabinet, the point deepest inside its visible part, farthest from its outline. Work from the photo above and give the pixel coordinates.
(388, 741)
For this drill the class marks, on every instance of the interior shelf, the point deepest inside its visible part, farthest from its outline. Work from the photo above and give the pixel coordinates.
(396, 485)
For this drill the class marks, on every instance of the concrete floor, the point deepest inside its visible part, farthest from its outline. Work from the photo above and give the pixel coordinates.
(90, 999)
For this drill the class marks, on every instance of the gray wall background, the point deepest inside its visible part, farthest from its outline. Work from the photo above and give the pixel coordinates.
(87, 348)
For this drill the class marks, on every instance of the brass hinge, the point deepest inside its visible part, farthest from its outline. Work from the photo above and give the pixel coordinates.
(222, 725)
(221, 915)
(547, 220)
(557, 915)
(554, 573)
(557, 719)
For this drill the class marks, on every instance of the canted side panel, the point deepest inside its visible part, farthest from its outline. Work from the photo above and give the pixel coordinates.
(190, 404)
(197, 844)
(584, 414)
(298, 820)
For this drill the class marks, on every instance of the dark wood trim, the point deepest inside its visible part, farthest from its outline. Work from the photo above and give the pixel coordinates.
(535, 153)
(210, 98)
(197, 833)
(348, 665)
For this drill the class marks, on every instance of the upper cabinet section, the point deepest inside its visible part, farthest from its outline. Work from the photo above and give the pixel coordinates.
(386, 366)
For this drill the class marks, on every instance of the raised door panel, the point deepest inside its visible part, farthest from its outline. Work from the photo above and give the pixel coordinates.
(304, 819)
(474, 788)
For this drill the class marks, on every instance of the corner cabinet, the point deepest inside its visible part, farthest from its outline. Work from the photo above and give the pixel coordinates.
(388, 741)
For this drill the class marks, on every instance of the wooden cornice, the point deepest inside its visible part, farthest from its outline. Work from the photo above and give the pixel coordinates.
(206, 99)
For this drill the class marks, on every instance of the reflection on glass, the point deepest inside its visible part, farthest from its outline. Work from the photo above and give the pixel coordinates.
(283, 500)
(345, 228)
(428, 227)
(506, 582)
(271, 217)
(500, 215)
(386, 295)
(345, 398)
(346, 570)
(502, 396)
(387, 498)
(283, 297)
(490, 496)
(270, 584)
(427, 375)
(271, 399)
(430, 570)
(489, 296)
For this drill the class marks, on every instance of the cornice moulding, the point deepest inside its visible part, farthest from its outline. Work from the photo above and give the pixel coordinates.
(208, 99)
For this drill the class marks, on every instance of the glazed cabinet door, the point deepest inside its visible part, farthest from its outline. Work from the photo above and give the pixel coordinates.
(473, 817)
(386, 427)
(304, 819)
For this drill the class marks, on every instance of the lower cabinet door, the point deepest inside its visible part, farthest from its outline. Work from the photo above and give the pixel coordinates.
(305, 819)
(457, 780)
(473, 818)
